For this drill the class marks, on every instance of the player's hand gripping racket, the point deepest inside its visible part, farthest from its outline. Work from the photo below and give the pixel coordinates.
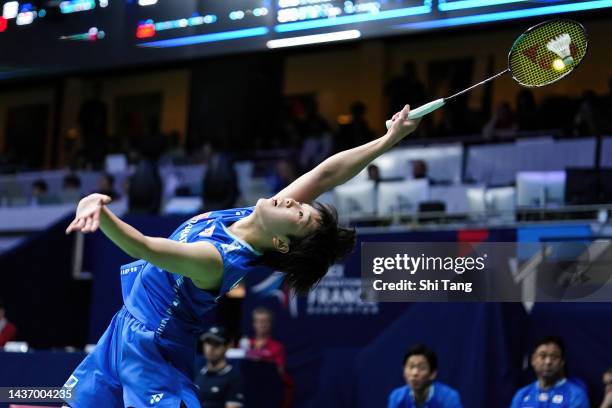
(543, 54)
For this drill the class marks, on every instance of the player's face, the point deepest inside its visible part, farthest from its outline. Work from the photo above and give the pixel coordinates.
(417, 373)
(214, 351)
(262, 324)
(607, 380)
(287, 217)
(547, 361)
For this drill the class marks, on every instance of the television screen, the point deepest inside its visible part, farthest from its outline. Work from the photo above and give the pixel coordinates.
(50, 36)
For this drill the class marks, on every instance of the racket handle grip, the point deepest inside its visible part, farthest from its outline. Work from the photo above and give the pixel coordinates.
(422, 110)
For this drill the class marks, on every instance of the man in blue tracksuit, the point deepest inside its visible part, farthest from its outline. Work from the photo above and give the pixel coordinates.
(421, 391)
(552, 389)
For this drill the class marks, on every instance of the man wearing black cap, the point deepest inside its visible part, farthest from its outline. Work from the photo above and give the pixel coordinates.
(219, 384)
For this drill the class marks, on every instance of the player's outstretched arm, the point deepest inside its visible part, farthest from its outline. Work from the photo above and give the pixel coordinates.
(345, 165)
(199, 261)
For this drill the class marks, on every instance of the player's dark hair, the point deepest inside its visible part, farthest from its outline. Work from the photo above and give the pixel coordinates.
(423, 350)
(556, 340)
(608, 371)
(309, 257)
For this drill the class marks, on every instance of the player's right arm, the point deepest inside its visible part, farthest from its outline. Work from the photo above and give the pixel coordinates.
(343, 166)
(199, 261)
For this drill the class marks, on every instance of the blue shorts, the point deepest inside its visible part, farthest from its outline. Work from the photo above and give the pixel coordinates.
(131, 367)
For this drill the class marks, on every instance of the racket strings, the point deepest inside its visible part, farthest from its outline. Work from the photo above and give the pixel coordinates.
(533, 62)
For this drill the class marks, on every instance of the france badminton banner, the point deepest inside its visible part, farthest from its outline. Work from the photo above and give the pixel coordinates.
(546, 271)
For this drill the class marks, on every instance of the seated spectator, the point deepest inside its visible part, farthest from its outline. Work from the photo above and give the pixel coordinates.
(107, 186)
(7, 329)
(373, 173)
(502, 124)
(145, 189)
(419, 169)
(587, 120)
(219, 384)
(316, 135)
(263, 348)
(175, 154)
(527, 115)
(407, 83)
(421, 389)
(356, 132)
(284, 174)
(40, 193)
(71, 189)
(607, 382)
(220, 182)
(551, 387)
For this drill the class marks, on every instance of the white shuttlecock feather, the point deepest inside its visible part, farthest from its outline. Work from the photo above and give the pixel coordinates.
(560, 45)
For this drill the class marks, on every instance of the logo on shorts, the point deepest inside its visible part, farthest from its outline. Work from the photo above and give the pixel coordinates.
(156, 398)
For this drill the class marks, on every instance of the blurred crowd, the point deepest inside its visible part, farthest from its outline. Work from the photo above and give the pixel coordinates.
(302, 138)
(562, 115)
(297, 126)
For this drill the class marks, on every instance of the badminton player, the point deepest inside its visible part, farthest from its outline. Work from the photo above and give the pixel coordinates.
(145, 356)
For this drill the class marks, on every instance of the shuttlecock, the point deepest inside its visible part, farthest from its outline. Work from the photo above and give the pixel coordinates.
(560, 45)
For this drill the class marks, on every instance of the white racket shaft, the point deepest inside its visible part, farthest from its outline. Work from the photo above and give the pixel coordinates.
(421, 110)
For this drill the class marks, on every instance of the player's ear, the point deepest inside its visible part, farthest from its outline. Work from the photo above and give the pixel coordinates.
(281, 244)
(433, 375)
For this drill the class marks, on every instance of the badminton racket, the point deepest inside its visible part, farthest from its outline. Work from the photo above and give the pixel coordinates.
(540, 56)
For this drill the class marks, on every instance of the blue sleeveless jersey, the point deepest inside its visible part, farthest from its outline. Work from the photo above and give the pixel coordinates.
(170, 304)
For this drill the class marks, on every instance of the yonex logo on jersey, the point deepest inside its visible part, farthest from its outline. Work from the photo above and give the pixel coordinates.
(557, 399)
(230, 247)
(207, 232)
(156, 398)
(129, 270)
(543, 397)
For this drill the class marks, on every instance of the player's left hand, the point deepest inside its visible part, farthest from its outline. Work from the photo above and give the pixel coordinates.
(87, 218)
(402, 126)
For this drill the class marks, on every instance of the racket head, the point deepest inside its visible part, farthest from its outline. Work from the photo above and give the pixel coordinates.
(533, 64)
